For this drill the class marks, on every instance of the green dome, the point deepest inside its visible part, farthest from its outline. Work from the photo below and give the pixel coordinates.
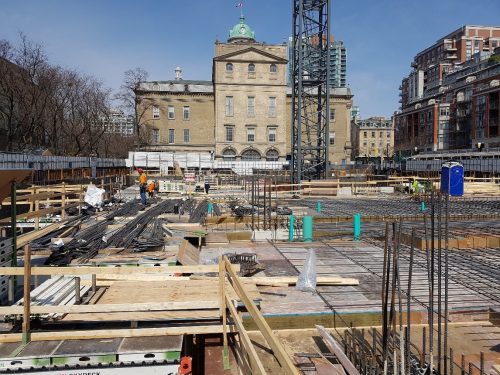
(241, 31)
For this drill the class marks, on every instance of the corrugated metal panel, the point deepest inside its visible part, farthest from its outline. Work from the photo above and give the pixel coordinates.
(37, 162)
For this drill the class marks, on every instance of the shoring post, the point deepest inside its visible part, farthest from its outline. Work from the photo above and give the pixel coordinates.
(27, 290)
(318, 206)
(291, 229)
(13, 227)
(222, 300)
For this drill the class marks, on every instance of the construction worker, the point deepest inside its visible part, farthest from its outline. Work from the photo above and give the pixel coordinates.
(143, 181)
(151, 189)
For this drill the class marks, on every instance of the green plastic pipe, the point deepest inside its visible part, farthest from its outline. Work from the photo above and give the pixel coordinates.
(307, 228)
(291, 233)
(357, 227)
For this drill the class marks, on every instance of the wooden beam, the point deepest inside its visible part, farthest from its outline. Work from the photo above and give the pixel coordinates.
(280, 353)
(289, 280)
(88, 270)
(337, 350)
(27, 290)
(39, 196)
(43, 212)
(119, 307)
(30, 236)
(292, 280)
(255, 363)
(117, 333)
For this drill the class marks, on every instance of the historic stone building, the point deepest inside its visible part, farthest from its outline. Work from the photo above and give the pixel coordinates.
(178, 115)
(250, 97)
(373, 137)
(244, 113)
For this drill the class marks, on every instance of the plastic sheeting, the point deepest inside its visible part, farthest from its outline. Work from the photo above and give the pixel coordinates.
(307, 278)
(93, 196)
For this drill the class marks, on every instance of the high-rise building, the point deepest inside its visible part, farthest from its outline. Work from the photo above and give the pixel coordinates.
(119, 123)
(441, 94)
(338, 62)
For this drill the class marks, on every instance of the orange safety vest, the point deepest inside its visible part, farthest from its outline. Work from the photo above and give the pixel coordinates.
(143, 179)
(151, 187)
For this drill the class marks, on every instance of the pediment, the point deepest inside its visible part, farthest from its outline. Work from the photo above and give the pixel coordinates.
(250, 54)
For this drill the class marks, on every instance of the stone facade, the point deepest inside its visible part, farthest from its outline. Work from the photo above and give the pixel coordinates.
(178, 115)
(373, 137)
(250, 101)
(244, 113)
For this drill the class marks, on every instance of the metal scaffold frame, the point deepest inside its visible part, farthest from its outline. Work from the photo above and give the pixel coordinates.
(310, 99)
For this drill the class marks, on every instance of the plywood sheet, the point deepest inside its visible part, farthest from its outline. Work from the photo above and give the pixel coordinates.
(162, 291)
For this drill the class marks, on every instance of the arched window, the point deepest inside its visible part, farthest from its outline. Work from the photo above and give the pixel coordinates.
(250, 155)
(228, 154)
(251, 68)
(229, 67)
(273, 68)
(272, 155)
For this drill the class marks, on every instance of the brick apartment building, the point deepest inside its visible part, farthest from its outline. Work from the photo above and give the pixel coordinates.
(450, 99)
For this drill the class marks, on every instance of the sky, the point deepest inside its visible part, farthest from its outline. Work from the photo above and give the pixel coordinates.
(104, 38)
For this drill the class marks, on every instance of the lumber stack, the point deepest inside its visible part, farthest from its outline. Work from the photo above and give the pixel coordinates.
(481, 188)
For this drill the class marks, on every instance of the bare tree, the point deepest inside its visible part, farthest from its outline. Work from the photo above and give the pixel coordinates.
(133, 103)
(47, 106)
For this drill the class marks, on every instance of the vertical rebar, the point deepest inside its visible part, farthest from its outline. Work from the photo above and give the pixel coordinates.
(451, 361)
(446, 268)
(431, 297)
(424, 340)
(408, 301)
(440, 268)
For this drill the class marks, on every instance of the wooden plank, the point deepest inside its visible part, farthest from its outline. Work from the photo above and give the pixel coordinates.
(255, 363)
(292, 280)
(86, 270)
(117, 333)
(39, 213)
(337, 350)
(280, 353)
(38, 196)
(121, 307)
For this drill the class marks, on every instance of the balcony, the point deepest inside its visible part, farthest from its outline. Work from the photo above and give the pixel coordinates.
(450, 48)
(451, 56)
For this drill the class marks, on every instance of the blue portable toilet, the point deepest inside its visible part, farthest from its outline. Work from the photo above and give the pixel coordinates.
(452, 179)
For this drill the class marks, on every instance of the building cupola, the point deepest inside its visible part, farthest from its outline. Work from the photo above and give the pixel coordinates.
(241, 33)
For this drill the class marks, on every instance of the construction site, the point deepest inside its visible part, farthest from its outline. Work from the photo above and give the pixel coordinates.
(254, 277)
(235, 264)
